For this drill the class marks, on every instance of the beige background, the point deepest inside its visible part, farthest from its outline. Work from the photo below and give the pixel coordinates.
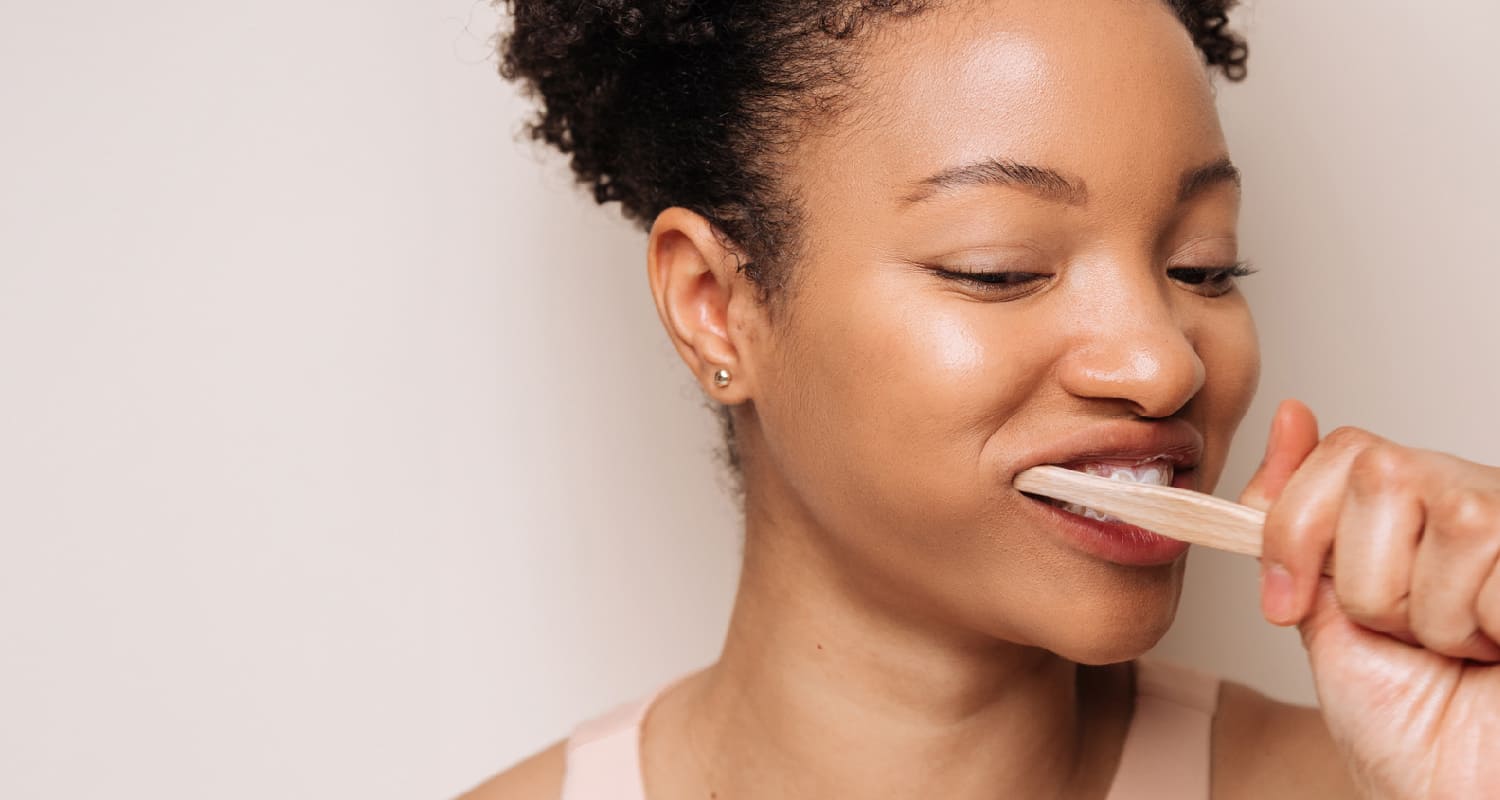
(341, 453)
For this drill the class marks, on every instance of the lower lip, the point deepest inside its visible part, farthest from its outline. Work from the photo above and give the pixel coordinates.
(1112, 541)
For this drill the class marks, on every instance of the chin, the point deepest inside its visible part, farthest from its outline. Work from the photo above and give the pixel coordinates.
(1112, 647)
(1107, 624)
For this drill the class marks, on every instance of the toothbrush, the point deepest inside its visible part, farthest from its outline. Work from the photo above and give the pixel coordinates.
(1181, 514)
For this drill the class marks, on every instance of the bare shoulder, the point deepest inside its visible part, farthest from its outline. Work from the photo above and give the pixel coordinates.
(1266, 748)
(539, 777)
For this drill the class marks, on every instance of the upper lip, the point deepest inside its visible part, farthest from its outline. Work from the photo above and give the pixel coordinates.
(1173, 440)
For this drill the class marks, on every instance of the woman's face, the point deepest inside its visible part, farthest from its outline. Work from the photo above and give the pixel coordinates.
(1077, 146)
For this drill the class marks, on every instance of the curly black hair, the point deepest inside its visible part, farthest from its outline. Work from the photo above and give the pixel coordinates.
(665, 103)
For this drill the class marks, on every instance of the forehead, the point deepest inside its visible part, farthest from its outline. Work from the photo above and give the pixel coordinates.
(1111, 92)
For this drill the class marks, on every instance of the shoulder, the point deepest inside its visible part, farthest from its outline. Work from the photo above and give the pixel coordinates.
(1266, 748)
(539, 777)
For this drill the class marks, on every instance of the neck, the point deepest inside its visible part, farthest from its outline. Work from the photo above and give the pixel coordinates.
(825, 690)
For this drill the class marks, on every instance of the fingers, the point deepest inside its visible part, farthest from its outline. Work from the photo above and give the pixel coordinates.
(1294, 434)
(1455, 588)
(1414, 536)
(1301, 526)
(1378, 527)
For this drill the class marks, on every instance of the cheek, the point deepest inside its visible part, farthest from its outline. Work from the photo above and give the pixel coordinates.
(901, 389)
(953, 346)
(1231, 360)
(1236, 356)
(961, 368)
(941, 366)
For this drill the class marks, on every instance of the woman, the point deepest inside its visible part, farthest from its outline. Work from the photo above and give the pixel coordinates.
(913, 249)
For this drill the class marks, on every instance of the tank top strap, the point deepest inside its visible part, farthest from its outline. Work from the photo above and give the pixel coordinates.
(1167, 747)
(604, 753)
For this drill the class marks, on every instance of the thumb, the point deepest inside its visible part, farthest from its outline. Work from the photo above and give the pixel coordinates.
(1294, 434)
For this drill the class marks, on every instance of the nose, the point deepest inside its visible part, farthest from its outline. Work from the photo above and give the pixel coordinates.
(1132, 348)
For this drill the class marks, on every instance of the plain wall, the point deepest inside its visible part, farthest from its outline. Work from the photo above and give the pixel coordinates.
(342, 453)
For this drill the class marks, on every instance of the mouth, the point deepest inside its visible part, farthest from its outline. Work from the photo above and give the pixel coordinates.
(1101, 536)
(1156, 470)
(1164, 453)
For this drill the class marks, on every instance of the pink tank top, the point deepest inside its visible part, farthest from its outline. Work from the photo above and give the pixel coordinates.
(1166, 754)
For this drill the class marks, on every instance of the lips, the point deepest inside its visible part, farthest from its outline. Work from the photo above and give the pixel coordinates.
(1154, 452)
(1125, 443)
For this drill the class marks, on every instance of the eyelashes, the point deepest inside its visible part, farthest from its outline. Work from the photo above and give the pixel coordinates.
(995, 285)
(1207, 281)
(994, 278)
(1211, 281)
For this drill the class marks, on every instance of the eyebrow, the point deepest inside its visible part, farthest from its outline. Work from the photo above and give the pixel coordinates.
(1049, 184)
(1210, 174)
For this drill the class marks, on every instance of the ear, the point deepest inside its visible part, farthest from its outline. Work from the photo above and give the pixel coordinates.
(702, 299)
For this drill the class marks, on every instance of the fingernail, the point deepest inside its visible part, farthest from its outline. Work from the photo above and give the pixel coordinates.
(1276, 594)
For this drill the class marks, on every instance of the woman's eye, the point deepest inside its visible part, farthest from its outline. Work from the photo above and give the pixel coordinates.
(1210, 281)
(1008, 283)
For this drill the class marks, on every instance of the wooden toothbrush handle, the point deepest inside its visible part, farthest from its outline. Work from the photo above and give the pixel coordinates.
(1180, 514)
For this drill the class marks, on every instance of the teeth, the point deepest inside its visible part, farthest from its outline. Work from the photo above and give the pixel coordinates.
(1157, 471)
(1089, 512)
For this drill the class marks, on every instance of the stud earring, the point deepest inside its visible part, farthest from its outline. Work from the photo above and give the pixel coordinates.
(721, 378)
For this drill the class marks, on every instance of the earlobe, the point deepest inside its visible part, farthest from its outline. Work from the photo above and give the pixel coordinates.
(693, 279)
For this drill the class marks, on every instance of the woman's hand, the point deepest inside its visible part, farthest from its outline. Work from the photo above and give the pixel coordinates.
(1403, 639)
